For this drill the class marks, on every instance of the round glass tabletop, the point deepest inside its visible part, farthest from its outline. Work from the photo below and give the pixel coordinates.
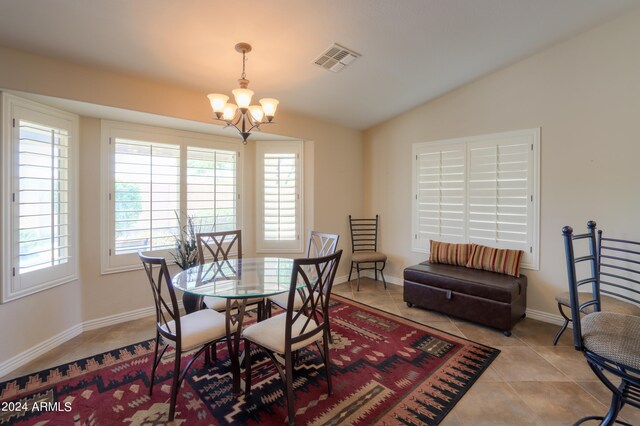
(237, 278)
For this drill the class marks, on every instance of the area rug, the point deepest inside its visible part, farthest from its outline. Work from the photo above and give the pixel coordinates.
(386, 370)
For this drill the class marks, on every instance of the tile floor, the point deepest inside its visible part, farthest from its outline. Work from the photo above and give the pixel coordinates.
(530, 383)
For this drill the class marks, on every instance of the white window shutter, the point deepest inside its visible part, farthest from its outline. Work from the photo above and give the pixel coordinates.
(212, 188)
(279, 201)
(499, 194)
(146, 195)
(440, 194)
(481, 189)
(39, 162)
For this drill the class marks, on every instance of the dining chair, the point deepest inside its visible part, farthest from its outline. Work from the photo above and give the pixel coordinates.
(364, 248)
(608, 340)
(293, 330)
(318, 245)
(201, 329)
(223, 245)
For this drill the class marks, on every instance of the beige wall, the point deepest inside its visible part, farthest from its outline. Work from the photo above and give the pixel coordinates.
(584, 94)
(333, 189)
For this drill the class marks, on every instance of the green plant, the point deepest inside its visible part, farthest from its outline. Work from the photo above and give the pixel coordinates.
(186, 254)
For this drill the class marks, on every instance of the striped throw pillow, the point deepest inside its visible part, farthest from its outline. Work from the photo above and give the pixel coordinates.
(449, 253)
(503, 261)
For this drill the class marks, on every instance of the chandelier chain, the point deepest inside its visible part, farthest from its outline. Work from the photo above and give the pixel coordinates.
(244, 61)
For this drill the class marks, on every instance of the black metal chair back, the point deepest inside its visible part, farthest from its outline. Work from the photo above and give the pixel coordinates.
(608, 340)
(617, 276)
(590, 278)
(364, 234)
(318, 275)
(166, 303)
(220, 245)
(321, 244)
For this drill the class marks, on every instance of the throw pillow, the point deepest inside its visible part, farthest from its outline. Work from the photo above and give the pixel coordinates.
(503, 261)
(449, 253)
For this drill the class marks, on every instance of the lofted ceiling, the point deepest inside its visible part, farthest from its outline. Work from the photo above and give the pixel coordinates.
(412, 50)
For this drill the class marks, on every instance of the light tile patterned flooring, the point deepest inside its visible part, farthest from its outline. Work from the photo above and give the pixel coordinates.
(530, 383)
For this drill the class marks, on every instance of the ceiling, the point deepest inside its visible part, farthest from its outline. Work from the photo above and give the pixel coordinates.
(412, 50)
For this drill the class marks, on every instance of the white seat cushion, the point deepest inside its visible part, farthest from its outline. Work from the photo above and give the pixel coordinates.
(220, 303)
(282, 299)
(270, 333)
(199, 328)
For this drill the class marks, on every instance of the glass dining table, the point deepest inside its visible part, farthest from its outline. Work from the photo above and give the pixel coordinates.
(237, 281)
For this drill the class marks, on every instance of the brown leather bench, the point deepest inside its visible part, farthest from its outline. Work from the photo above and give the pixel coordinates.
(488, 298)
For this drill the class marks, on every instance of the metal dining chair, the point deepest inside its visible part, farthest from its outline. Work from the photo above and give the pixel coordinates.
(287, 333)
(609, 341)
(199, 330)
(223, 245)
(319, 245)
(364, 248)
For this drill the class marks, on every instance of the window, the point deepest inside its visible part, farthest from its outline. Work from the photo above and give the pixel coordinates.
(39, 224)
(154, 179)
(279, 204)
(481, 190)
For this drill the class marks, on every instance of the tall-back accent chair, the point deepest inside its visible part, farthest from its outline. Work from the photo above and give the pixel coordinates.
(200, 329)
(608, 340)
(295, 329)
(221, 246)
(319, 245)
(364, 248)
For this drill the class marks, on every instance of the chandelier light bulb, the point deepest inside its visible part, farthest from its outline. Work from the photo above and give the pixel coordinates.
(218, 102)
(243, 97)
(269, 106)
(256, 112)
(229, 111)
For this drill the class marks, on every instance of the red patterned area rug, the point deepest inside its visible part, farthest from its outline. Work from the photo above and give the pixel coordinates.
(386, 370)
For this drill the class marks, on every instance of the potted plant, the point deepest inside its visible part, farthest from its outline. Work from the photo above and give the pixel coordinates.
(186, 254)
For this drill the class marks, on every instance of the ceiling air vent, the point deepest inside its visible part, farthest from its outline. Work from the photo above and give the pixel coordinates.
(336, 57)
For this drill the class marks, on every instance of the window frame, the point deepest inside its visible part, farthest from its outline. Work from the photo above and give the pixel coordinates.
(110, 130)
(279, 147)
(14, 107)
(531, 259)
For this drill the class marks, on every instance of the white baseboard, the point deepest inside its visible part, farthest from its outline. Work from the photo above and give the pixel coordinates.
(39, 349)
(390, 279)
(118, 318)
(545, 317)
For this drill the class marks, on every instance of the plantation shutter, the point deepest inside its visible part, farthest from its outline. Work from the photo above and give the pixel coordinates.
(42, 197)
(481, 189)
(280, 196)
(40, 211)
(212, 188)
(279, 200)
(147, 195)
(440, 194)
(499, 193)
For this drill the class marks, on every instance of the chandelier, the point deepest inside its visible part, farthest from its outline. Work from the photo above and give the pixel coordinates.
(241, 115)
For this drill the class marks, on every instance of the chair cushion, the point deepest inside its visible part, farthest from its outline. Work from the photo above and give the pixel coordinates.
(220, 303)
(270, 333)
(199, 328)
(368, 256)
(609, 304)
(282, 299)
(613, 336)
